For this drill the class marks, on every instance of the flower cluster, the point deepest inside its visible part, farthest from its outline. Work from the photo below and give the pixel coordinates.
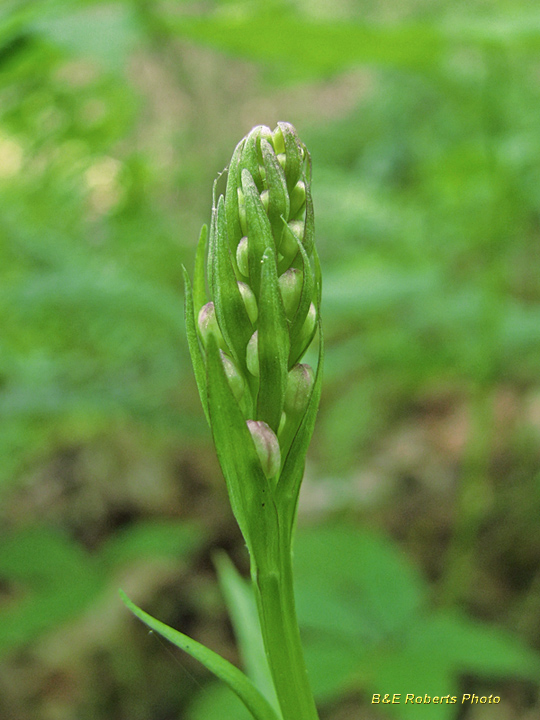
(263, 277)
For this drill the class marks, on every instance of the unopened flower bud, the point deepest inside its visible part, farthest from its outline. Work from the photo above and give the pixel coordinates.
(282, 159)
(299, 385)
(265, 134)
(208, 324)
(297, 226)
(252, 354)
(291, 236)
(236, 381)
(290, 284)
(242, 259)
(248, 296)
(267, 447)
(298, 198)
(308, 328)
(278, 142)
(242, 211)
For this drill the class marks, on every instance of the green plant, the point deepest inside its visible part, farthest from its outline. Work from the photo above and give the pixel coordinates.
(264, 279)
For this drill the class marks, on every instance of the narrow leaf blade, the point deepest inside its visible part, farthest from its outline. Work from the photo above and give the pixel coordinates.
(199, 294)
(273, 345)
(259, 231)
(232, 315)
(232, 210)
(298, 344)
(193, 344)
(249, 492)
(288, 487)
(242, 686)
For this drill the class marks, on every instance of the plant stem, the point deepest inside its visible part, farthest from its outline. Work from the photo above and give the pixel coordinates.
(277, 613)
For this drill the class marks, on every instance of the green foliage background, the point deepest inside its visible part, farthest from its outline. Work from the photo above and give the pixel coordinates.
(418, 543)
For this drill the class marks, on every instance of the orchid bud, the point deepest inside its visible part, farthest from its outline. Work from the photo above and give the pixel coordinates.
(291, 235)
(299, 385)
(308, 328)
(252, 355)
(298, 198)
(242, 257)
(290, 284)
(208, 325)
(242, 211)
(250, 302)
(267, 447)
(236, 381)
(277, 140)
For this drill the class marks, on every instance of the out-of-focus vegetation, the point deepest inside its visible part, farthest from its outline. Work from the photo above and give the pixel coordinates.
(419, 542)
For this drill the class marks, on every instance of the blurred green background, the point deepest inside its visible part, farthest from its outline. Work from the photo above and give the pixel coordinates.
(418, 553)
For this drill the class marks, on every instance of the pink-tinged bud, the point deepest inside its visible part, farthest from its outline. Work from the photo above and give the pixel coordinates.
(290, 284)
(297, 226)
(252, 354)
(236, 381)
(208, 325)
(300, 382)
(267, 447)
(242, 258)
(248, 296)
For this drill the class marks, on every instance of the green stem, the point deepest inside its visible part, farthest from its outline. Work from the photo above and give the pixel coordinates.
(277, 612)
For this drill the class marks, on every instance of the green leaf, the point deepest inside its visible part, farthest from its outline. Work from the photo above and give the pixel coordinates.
(308, 238)
(249, 492)
(293, 161)
(255, 702)
(319, 47)
(259, 231)
(107, 33)
(273, 345)
(199, 290)
(405, 671)
(152, 539)
(290, 479)
(217, 701)
(307, 296)
(278, 196)
(53, 580)
(231, 312)
(193, 344)
(371, 583)
(232, 211)
(251, 159)
(477, 648)
(331, 664)
(355, 591)
(242, 609)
